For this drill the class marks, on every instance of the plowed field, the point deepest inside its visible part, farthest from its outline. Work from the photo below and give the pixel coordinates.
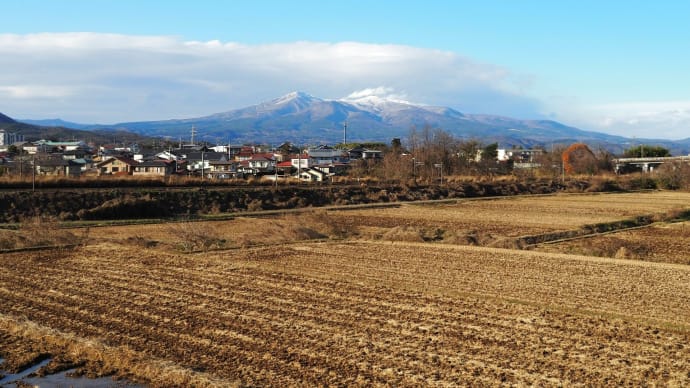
(519, 216)
(366, 314)
(357, 312)
(661, 243)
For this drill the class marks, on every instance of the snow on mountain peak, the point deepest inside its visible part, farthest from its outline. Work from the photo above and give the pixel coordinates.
(378, 99)
(293, 96)
(376, 96)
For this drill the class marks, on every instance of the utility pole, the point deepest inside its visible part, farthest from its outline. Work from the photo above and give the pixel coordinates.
(344, 134)
(33, 172)
(441, 173)
(299, 165)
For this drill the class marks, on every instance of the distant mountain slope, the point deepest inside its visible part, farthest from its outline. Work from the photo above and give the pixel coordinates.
(300, 117)
(57, 123)
(5, 119)
(36, 132)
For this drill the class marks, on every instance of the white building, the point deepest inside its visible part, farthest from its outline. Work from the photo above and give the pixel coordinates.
(9, 138)
(326, 155)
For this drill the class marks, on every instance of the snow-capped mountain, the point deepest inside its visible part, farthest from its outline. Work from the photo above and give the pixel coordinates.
(301, 117)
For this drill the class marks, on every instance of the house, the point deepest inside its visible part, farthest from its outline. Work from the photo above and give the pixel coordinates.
(57, 167)
(154, 168)
(231, 150)
(364, 153)
(223, 169)
(198, 162)
(168, 155)
(284, 168)
(520, 158)
(326, 155)
(312, 175)
(300, 161)
(83, 163)
(519, 155)
(262, 164)
(78, 153)
(259, 164)
(116, 165)
(55, 146)
(245, 153)
(333, 168)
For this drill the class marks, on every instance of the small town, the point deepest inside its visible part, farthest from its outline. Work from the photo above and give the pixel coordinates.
(217, 194)
(74, 159)
(77, 158)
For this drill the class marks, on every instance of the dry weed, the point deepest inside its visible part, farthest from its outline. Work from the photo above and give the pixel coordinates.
(42, 232)
(195, 236)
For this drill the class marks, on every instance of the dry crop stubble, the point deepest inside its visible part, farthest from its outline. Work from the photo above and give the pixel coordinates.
(238, 232)
(669, 243)
(515, 216)
(358, 314)
(609, 286)
(361, 313)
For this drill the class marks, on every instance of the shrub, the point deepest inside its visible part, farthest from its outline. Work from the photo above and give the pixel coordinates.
(674, 176)
(641, 182)
(194, 236)
(124, 208)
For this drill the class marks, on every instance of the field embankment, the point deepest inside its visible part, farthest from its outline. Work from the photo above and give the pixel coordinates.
(145, 200)
(169, 202)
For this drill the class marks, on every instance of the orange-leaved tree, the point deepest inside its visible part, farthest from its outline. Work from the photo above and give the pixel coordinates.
(579, 159)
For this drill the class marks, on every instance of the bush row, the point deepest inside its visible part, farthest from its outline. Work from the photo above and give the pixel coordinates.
(108, 204)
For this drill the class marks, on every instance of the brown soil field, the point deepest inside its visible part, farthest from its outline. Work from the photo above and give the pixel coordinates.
(494, 222)
(357, 312)
(354, 313)
(669, 243)
(235, 233)
(496, 219)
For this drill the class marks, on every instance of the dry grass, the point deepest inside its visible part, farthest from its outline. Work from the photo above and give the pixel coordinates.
(195, 236)
(41, 232)
(283, 311)
(362, 314)
(235, 233)
(492, 221)
(659, 243)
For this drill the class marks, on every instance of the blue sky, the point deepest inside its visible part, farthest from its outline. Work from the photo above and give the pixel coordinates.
(614, 66)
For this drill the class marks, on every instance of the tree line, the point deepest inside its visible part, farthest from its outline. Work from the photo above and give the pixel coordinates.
(431, 153)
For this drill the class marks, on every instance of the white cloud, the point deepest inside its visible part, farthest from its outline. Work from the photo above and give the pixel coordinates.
(108, 78)
(657, 119)
(28, 91)
(112, 78)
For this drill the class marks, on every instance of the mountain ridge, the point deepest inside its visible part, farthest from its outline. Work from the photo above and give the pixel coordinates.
(6, 119)
(301, 117)
(307, 118)
(32, 132)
